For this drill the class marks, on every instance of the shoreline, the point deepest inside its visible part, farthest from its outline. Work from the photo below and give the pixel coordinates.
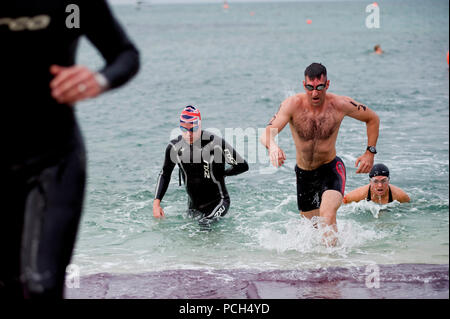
(402, 281)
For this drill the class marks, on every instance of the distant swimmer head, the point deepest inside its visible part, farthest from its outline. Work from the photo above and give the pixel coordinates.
(379, 170)
(190, 123)
(316, 83)
(377, 49)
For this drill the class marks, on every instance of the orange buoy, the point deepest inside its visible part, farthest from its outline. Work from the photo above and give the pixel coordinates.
(375, 4)
(309, 21)
(447, 57)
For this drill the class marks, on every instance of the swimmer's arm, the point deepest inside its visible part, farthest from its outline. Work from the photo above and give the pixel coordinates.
(362, 113)
(399, 194)
(238, 164)
(275, 126)
(166, 172)
(356, 195)
(108, 36)
(163, 181)
(75, 83)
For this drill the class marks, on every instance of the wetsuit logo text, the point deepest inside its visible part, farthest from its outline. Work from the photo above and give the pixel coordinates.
(220, 211)
(26, 23)
(206, 170)
(230, 158)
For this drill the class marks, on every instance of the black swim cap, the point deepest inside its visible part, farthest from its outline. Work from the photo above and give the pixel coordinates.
(379, 170)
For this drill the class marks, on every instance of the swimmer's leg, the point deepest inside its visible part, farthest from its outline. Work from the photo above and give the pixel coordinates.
(218, 211)
(330, 203)
(13, 194)
(194, 213)
(310, 214)
(52, 213)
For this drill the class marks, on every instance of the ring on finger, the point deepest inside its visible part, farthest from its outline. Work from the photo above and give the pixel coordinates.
(81, 87)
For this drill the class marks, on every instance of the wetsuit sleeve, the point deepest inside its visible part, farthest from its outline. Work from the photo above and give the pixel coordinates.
(105, 32)
(238, 164)
(165, 174)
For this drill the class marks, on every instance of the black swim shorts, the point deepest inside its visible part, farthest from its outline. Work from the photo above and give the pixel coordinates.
(312, 184)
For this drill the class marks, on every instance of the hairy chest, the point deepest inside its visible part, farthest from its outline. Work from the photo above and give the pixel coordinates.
(311, 126)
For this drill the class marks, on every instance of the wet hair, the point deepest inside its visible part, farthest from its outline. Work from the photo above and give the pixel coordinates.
(315, 71)
(376, 47)
(379, 170)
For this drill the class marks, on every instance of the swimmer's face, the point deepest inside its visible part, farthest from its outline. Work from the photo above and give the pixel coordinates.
(191, 137)
(316, 90)
(379, 185)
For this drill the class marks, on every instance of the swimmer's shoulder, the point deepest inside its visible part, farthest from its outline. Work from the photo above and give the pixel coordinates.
(357, 194)
(340, 101)
(176, 143)
(293, 103)
(399, 194)
(176, 139)
(211, 139)
(207, 135)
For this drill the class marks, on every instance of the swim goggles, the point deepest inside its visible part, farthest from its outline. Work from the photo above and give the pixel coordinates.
(192, 129)
(383, 181)
(320, 87)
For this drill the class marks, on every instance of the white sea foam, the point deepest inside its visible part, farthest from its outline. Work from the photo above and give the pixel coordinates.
(301, 235)
(376, 210)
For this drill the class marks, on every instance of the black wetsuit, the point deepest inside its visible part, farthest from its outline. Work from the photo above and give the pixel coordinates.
(391, 199)
(43, 159)
(202, 166)
(312, 184)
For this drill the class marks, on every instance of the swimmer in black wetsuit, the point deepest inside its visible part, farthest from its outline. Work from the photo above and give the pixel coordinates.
(379, 190)
(201, 157)
(43, 161)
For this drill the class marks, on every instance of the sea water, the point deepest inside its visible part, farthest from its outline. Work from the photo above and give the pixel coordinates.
(237, 66)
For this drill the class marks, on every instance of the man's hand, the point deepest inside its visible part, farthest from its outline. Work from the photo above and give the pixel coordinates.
(365, 161)
(73, 84)
(277, 156)
(158, 212)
